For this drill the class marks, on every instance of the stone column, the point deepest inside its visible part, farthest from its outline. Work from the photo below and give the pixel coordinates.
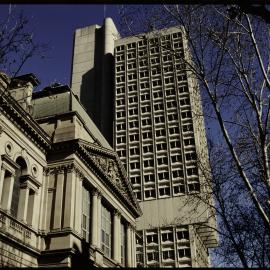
(96, 219)
(134, 245)
(78, 204)
(129, 246)
(58, 200)
(69, 200)
(34, 201)
(7, 193)
(2, 177)
(116, 236)
(23, 203)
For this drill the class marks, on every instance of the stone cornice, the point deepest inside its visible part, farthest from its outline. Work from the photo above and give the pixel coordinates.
(23, 120)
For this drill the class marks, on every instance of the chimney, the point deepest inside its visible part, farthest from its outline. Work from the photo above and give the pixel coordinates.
(4, 81)
(21, 89)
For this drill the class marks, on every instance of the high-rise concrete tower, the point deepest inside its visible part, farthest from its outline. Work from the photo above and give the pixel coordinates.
(159, 135)
(92, 78)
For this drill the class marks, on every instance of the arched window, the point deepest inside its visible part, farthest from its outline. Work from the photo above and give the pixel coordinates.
(22, 170)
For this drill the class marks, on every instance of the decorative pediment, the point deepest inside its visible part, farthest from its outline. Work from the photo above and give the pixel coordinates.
(109, 165)
(110, 168)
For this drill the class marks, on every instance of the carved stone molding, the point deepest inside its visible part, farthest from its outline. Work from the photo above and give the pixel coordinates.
(110, 168)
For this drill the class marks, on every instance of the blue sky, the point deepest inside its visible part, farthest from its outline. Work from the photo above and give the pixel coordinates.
(55, 24)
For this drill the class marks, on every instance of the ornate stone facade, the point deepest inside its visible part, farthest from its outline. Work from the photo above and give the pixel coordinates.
(62, 188)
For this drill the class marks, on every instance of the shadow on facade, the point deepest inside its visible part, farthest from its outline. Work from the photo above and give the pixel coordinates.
(81, 260)
(97, 89)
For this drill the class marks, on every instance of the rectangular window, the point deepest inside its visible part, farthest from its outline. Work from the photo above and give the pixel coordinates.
(134, 151)
(187, 128)
(120, 114)
(134, 165)
(144, 73)
(147, 135)
(120, 48)
(152, 238)
(183, 89)
(171, 104)
(182, 234)
(192, 171)
(172, 117)
(149, 178)
(143, 62)
(163, 176)
(158, 105)
(148, 163)
(120, 102)
(174, 130)
(132, 76)
(169, 80)
(186, 114)
(135, 180)
(184, 252)
(188, 142)
(150, 193)
(133, 111)
(134, 137)
(175, 144)
(184, 101)
(152, 256)
(146, 122)
(170, 92)
(86, 214)
(158, 94)
(182, 77)
(176, 158)
(191, 156)
(132, 87)
(146, 109)
(155, 60)
(162, 160)
(121, 126)
(160, 132)
(164, 191)
(145, 97)
(106, 231)
(133, 124)
(144, 85)
(168, 255)
(121, 139)
(179, 189)
(156, 83)
(148, 149)
(133, 100)
(132, 65)
(121, 153)
(177, 173)
(120, 90)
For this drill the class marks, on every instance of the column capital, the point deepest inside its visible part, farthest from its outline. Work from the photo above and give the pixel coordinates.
(96, 192)
(117, 213)
(131, 227)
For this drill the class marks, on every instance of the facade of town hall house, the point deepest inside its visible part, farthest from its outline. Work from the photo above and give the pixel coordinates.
(65, 199)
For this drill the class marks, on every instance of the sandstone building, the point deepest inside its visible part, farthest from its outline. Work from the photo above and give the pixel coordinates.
(157, 135)
(65, 199)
